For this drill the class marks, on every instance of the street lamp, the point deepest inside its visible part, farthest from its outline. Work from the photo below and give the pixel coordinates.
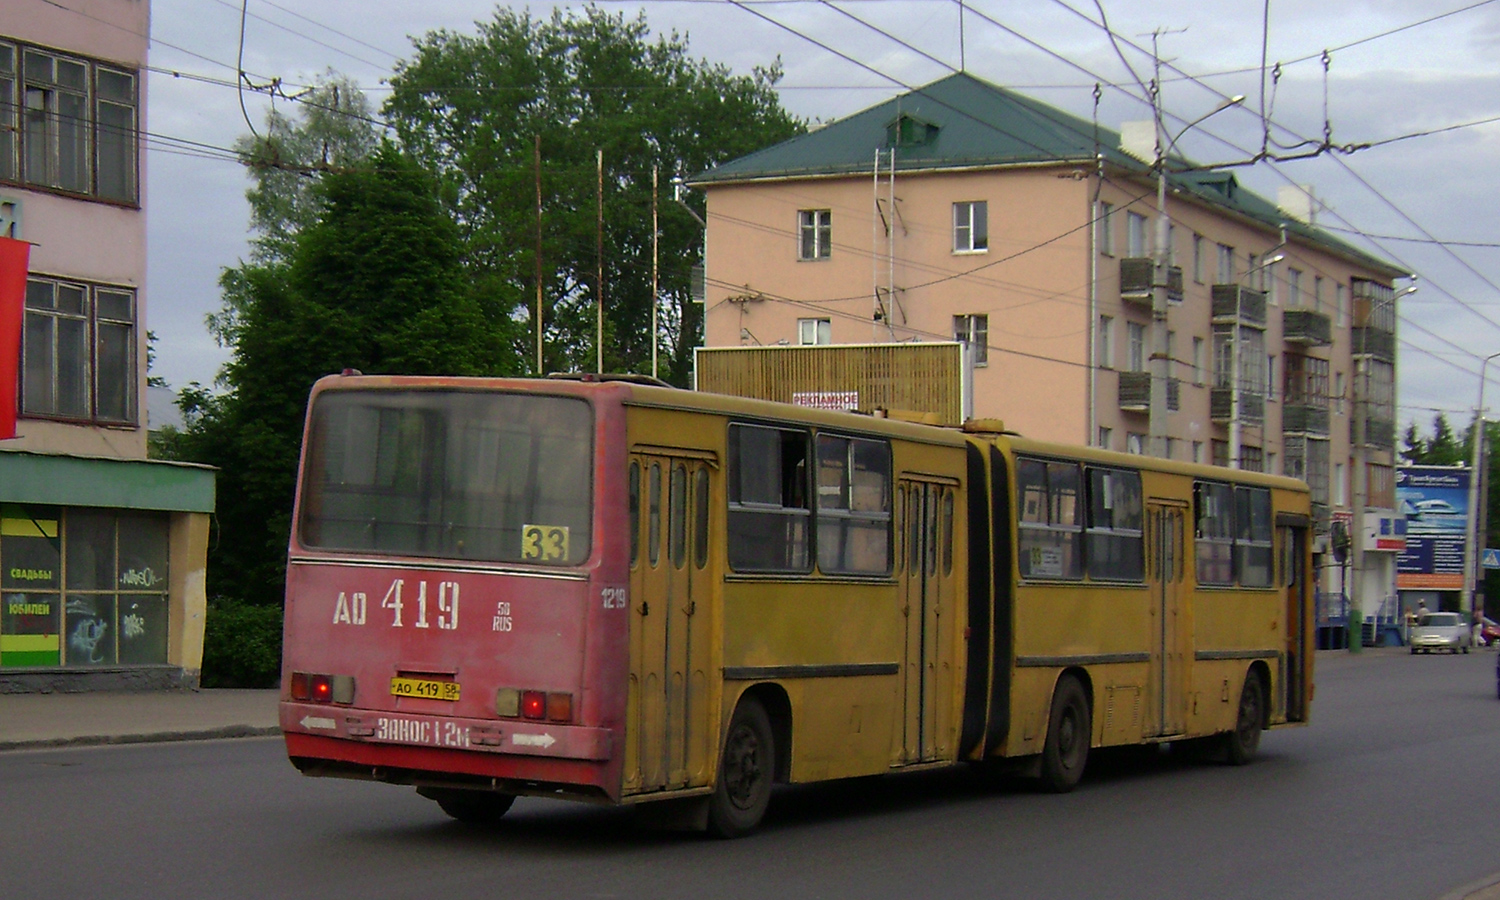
(1160, 356)
(1476, 527)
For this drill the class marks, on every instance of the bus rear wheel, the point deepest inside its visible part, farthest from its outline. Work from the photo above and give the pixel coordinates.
(471, 807)
(746, 769)
(1068, 732)
(1241, 743)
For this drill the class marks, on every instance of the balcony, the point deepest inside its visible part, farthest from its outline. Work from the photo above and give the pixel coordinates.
(1303, 326)
(1300, 418)
(1379, 433)
(1376, 342)
(1252, 407)
(1135, 392)
(1233, 304)
(1136, 281)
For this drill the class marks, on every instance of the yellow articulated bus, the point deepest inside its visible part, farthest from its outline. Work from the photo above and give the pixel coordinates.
(675, 599)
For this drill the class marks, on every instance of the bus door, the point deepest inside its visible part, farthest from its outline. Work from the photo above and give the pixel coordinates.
(926, 512)
(667, 712)
(1293, 542)
(1165, 552)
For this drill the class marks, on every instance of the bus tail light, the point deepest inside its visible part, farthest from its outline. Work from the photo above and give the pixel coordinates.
(508, 703)
(322, 688)
(300, 689)
(560, 707)
(534, 705)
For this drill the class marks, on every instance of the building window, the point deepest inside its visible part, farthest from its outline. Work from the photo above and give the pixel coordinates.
(815, 233)
(1106, 438)
(78, 352)
(971, 229)
(1252, 459)
(1270, 389)
(1317, 296)
(975, 332)
(1198, 258)
(1225, 274)
(1135, 442)
(1220, 451)
(1340, 495)
(1197, 451)
(1293, 289)
(1339, 306)
(1171, 447)
(1107, 342)
(1106, 229)
(1169, 253)
(111, 609)
(1136, 339)
(1197, 360)
(77, 129)
(814, 331)
(1338, 393)
(1135, 235)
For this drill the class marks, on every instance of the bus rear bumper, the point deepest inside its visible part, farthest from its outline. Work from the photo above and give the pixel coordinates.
(509, 737)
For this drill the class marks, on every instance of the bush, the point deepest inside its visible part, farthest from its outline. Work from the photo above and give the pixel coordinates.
(241, 645)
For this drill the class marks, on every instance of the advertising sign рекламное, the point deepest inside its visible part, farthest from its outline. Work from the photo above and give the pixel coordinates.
(1435, 500)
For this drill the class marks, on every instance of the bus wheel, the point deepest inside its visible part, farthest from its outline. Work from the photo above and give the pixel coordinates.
(1241, 743)
(1068, 732)
(471, 807)
(746, 769)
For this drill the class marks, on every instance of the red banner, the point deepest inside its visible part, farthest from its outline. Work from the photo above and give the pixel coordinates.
(14, 256)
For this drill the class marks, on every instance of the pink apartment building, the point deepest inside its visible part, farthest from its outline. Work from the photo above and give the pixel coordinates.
(102, 552)
(964, 211)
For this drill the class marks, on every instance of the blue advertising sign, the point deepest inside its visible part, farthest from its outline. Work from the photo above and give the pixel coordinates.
(1435, 501)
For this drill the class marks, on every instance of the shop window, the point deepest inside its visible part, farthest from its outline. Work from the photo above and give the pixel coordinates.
(30, 584)
(82, 587)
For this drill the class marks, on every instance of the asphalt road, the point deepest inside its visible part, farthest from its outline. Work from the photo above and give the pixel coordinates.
(1390, 794)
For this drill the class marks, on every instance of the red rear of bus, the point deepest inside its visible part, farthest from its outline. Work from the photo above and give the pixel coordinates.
(455, 604)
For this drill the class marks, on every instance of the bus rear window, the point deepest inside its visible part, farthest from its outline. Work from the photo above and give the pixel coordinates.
(460, 475)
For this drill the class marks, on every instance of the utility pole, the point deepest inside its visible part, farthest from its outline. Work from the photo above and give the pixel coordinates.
(1160, 363)
(599, 258)
(1357, 514)
(1475, 542)
(537, 159)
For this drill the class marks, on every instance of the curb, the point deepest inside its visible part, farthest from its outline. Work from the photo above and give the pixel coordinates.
(153, 737)
(1487, 888)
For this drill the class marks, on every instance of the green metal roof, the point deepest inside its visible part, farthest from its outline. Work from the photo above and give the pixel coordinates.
(114, 483)
(964, 122)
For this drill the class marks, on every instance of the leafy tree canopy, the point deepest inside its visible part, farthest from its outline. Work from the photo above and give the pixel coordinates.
(374, 282)
(472, 107)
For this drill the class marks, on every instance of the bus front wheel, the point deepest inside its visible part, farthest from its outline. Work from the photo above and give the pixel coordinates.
(471, 807)
(1068, 732)
(746, 769)
(1241, 743)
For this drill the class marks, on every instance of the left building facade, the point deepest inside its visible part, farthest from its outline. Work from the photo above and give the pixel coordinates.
(102, 551)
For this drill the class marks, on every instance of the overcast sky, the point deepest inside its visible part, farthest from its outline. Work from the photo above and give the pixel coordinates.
(1425, 199)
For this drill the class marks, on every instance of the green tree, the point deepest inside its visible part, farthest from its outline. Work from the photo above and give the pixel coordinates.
(471, 109)
(374, 283)
(1442, 449)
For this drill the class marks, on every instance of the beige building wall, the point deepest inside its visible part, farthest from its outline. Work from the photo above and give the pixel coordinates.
(1035, 298)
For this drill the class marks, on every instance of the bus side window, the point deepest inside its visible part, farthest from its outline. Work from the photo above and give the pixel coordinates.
(700, 519)
(653, 538)
(769, 506)
(635, 513)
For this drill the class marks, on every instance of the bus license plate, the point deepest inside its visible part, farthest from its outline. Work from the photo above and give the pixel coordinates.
(421, 687)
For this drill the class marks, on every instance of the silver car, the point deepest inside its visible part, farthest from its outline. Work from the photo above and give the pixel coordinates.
(1442, 631)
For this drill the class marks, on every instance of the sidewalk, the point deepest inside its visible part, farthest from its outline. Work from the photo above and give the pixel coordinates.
(56, 720)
